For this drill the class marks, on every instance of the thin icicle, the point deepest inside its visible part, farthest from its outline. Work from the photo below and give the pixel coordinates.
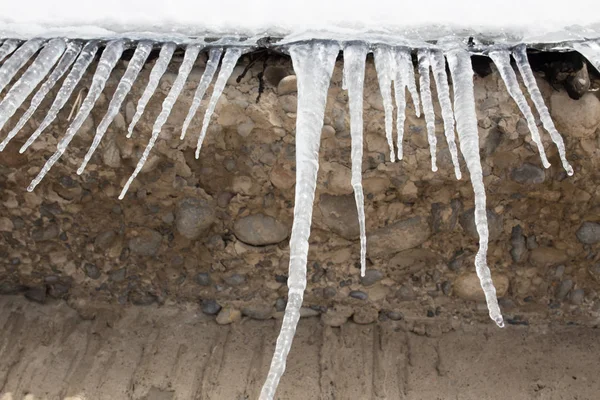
(166, 52)
(191, 53)
(466, 121)
(207, 77)
(81, 64)
(502, 60)
(229, 60)
(520, 55)
(131, 73)
(590, 50)
(404, 78)
(313, 63)
(73, 49)
(384, 64)
(18, 59)
(425, 86)
(354, 77)
(111, 54)
(30, 79)
(407, 70)
(400, 98)
(8, 47)
(438, 65)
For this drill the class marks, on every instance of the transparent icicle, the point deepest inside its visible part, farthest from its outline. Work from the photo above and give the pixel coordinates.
(30, 79)
(191, 53)
(438, 66)
(404, 78)
(400, 98)
(164, 57)
(384, 64)
(590, 50)
(81, 64)
(520, 55)
(17, 60)
(313, 63)
(502, 60)
(73, 49)
(229, 60)
(354, 77)
(466, 122)
(425, 86)
(207, 77)
(111, 54)
(8, 47)
(407, 70)
(131, 73)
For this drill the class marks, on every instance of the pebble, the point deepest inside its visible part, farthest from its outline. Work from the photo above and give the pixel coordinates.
(307, 312)
(447, 288)
(577, 296)
(287, 85)
(260, 230)
(228, 315)
(146, 242)
(329, 292)
(91, 271)
(518, 252)
(235, 279)
(49, 232)
(280, 304)
(398, 236)
(528, 174)
(495, 224)
(142, 298)
(210, 307)
(37, 294)
(563, 289)
(340, 215)
(405, 293)
(395, 315)
(203, 279)
(337, 315)
(6, 225)
(118, 275)
(371, 277)
(194, 217)
(358, 294)
(546, 256)
(589, 233)
(467, 286)
(259, 312)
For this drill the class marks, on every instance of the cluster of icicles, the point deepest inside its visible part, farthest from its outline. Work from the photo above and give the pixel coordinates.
(313, 62)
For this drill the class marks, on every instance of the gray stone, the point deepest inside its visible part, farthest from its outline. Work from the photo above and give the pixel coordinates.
(228, 315)
(280, 304)
(371, 277)
(589, 233)
(340, 215)
(37, 294)
(287, 85)
(398, 236)
(9, 287)
(49, 232)
(447, 288)
(259, 312)
(358, 294)
(468, 287)
(329, 292)
(528, 174)
(194, 217)
(395, 315)
(495, 224)
(405, 293)
(142, 298)
(146, 243)
(577, 296)
(203, 279)
(210, 307)
(563, 289)
(578, 83)
(104, 240)
(235, 279)
(337, 315)
(307, 312)
(518, 251)
(118, 275)
(91, 271)
(260, 230)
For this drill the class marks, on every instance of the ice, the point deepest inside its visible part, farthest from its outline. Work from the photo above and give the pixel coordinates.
(8, 47)
(407, 72)
(207, 77)
(73, 49)
(30, 79)
(111, 54)
(191, 53)
(404, 77)
(590, 49)
(520, 55)
(81, 64)
(466, 123)
(17, 60)
(384, 64)
(502, 60)
(354, 77)
(438, 66)
(229, 60)
(131, 73)
(166, 52)
(313, 63)
(425, 86)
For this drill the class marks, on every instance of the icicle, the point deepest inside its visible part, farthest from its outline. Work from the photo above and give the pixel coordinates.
(438, 65)
(466, 121)
(8, 47)
(354, 77)
(404, 77)
(502, 60)
(229, 60)
(131, 73)
(191, 53)
(425, 86)
(590, 50)
(30, 79)
(384, 64)
(81, 64)
(313, 63)
(73, 49)
(111, 54)
(407, 70)
(207, 77)
(17, 60)
(166, 52)
(520, 55)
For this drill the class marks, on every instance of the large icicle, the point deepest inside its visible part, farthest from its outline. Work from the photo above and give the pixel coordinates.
(111, 54)
(131, 73)
(8, 47)
(17, 60)
(191, 53)
(425, 86)
(466, 122)
(207, 77)
(229, 60)
(384, 64)
(30, 79)
(438, 65)
(407, 70)
(354, 77)
(166, 52)
(313, 63)
(81, 64)
(520, 55)
(590, 50)
(73, 49)
(502, 60)
(404, 77)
